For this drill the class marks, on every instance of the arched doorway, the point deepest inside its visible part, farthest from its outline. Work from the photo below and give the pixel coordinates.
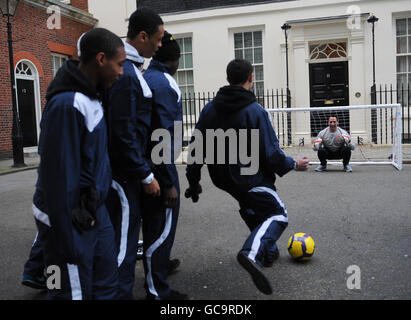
(28, 101)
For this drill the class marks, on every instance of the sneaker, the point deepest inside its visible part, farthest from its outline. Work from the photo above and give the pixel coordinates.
(268, 263)
(38, 282)
(259, 278)
(173, 264)
(321, 168)
(174, 295)
(347, 168)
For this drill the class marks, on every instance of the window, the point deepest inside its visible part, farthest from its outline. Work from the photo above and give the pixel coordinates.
(57, 61)
(328, 51)
(185, 74)
(249, 46)
(403, 50)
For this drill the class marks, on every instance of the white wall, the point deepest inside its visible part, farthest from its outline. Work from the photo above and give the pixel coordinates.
(112, 15)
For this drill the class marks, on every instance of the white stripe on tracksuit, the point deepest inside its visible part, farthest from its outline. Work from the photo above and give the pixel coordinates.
(74, 278)
(155, 246)
(125, 219)
(264, 226)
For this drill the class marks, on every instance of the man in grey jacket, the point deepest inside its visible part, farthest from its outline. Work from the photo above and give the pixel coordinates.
(333, 142)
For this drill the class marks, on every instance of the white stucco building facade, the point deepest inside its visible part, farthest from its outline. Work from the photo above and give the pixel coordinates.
(326, 36)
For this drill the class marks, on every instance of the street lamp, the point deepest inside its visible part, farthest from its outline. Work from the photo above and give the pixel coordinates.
(8, 9)
(287, 27)
(373, 19)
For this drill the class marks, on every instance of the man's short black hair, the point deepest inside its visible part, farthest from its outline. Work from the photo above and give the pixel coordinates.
(99, 40)
(143, 20)
(238, 71)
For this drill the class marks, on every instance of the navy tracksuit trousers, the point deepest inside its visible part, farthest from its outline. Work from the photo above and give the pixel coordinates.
(95, 274)
(35, 264)
(266, 217)
(159, 229)
(124, 205)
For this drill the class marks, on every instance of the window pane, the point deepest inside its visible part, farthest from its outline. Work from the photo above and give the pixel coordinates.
(181, 64)
(238, 54)
(409, 44)
(259, 88)
(258, 41)
(401, 44)
(409, 26)
(258, 55)
(401, 27)
(248, 55)
(187, 45)
(190, 78)
(188, 60)
(258, 73)
(238, 40)
(402, 64)
(248, 39)
(180, 43)
(181, 78)
(401, 81)
(409, 66)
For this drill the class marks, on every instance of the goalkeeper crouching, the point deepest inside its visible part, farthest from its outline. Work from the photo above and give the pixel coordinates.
(333, 143)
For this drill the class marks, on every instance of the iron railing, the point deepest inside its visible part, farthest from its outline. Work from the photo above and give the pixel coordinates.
(194, 103)
(386, 94)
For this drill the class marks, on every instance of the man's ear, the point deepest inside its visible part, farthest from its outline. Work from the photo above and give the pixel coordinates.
(100, 59)
(251, 77)
(142, 36)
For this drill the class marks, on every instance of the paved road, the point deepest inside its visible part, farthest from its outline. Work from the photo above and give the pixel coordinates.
(361, 219)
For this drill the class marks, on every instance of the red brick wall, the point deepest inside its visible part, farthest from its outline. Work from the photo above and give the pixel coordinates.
(81, 4)
(31, 38)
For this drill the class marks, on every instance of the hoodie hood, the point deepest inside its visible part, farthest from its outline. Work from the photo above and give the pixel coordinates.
(231, 99)
(69, 78)
(132, 53)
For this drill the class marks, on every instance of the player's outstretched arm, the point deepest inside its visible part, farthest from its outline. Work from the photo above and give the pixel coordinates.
(301, 164)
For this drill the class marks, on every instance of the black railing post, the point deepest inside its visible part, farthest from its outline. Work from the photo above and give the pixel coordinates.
(374, 114)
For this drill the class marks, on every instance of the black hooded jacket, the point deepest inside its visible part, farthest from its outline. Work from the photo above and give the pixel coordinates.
(235, 108)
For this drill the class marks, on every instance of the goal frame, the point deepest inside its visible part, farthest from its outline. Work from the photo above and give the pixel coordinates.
(396, 161)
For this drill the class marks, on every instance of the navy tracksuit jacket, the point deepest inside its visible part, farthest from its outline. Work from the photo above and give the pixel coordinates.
(160, 222)
(260, 207)
(130, 120)
(74, 160)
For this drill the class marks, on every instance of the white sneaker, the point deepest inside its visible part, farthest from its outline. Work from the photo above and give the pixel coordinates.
(321, 168)
(347, 168)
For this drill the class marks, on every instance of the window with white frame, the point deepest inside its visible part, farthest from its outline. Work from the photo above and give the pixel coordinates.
(57, 61)
(249, 46)
(185, 74)
(403, 50)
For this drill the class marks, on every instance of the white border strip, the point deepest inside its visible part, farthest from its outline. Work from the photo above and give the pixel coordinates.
(74, 278)
(125, 221)
(155, 246)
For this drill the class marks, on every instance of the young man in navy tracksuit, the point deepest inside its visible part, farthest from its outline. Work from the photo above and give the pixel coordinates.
(160, 216)
(74, 174)
(130, 120)
(235, 107)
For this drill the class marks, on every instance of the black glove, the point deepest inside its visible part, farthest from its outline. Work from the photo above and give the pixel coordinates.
(193, 192)
(84, 216)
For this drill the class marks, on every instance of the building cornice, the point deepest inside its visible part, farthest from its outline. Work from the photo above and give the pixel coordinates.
(66, 10)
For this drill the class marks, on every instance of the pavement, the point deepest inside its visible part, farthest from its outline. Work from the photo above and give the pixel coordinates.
(360, 154)
(360, 222)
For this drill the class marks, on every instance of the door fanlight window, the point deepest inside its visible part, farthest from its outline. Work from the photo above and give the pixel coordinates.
(328, 51)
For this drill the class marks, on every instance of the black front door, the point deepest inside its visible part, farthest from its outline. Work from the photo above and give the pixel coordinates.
(329, 88)
(27, 111)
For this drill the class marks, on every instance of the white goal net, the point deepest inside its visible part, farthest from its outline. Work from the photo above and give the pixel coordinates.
(376, 131)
